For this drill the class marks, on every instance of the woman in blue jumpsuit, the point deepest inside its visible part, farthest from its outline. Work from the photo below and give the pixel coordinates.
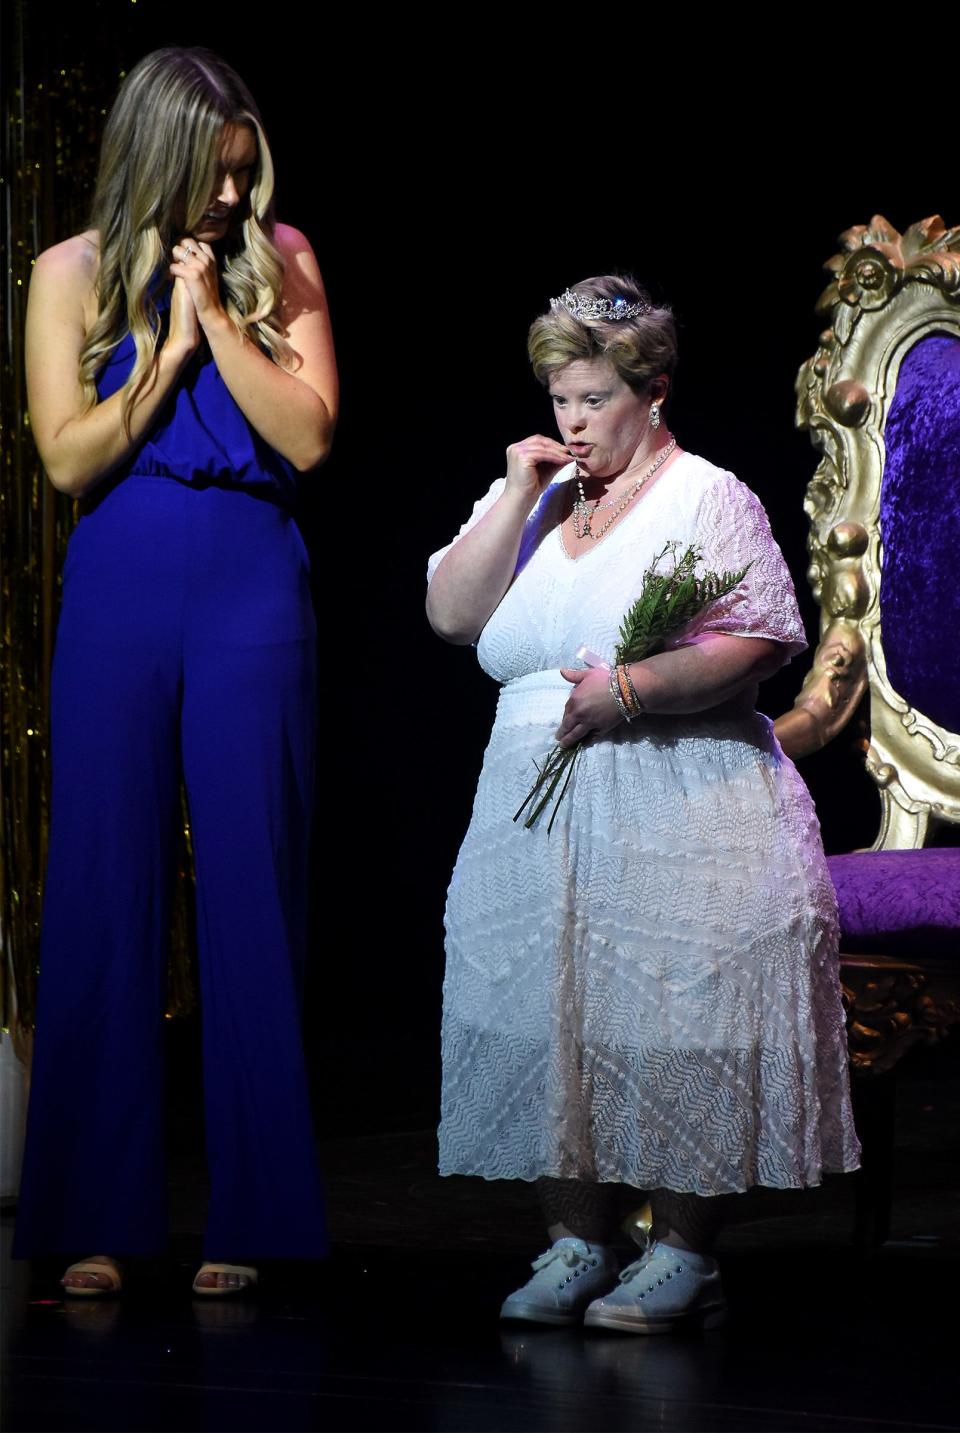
(186, 649)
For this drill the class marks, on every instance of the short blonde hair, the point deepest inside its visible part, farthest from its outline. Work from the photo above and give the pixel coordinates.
(640, 349)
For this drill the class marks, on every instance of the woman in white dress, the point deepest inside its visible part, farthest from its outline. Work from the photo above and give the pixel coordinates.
(647, 995)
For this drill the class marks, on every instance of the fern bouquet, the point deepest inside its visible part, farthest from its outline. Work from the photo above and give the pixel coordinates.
(668, 601)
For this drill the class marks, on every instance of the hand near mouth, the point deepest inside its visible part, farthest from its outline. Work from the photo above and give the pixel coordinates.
(533, 464)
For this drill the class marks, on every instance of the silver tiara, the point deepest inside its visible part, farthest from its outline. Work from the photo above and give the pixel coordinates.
(610, 310)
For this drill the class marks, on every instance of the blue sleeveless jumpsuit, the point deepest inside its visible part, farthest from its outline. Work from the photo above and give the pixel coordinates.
(186, 646)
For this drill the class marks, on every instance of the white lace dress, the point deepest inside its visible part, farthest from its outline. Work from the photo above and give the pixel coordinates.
(649, 994)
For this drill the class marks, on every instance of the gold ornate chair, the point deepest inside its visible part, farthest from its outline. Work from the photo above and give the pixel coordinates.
(881, 401)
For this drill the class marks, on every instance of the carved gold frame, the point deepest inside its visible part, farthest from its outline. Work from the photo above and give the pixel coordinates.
(889, 291)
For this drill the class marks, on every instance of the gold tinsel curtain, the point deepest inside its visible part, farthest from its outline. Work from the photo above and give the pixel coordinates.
(61, 69)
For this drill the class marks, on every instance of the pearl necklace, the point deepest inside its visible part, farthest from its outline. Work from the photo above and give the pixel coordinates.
(583, 512)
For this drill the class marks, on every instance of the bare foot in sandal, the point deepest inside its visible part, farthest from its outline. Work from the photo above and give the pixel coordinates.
(98, 1274)
(220, 1280)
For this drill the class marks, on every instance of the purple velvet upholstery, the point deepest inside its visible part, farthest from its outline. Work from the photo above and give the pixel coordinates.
(920, 527)
(904, 903)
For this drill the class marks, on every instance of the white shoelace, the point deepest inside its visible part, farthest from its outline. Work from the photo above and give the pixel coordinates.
(570, 1254)
(651, 1248)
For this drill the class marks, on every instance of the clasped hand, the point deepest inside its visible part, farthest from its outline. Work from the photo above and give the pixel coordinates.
(195, 302)
(590, 709)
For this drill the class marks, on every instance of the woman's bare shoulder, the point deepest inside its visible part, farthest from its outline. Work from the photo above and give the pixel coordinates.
(77, 256)
(303, 287)
(290, 241)
(68, 270)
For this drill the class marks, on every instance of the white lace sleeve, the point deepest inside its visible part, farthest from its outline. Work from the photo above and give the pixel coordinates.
(733, 530)
(480, 508)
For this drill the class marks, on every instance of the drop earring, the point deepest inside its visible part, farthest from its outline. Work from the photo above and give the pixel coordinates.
(654, 416)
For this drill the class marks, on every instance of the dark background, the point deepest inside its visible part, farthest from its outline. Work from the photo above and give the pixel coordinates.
(453, 174)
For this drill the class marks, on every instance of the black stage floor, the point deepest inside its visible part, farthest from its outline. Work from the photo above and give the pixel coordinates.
(399, 1329)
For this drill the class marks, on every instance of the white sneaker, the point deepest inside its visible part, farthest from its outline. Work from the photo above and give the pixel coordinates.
(565, 1279)
(663, 1289)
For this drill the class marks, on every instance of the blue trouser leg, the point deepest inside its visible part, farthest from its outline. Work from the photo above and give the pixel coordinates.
(249, 717)
(93, 1176)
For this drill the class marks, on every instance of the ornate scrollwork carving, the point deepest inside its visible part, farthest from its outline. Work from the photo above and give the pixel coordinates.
(830, 694)
(888, 291)
(878, 261)
(892, 1005)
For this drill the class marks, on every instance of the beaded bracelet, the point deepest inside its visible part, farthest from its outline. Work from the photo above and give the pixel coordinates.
(630, 699)
(635, 701)
(624, 693)
(617, 695)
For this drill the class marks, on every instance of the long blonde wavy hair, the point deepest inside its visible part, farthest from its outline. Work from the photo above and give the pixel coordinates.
(158, 165)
